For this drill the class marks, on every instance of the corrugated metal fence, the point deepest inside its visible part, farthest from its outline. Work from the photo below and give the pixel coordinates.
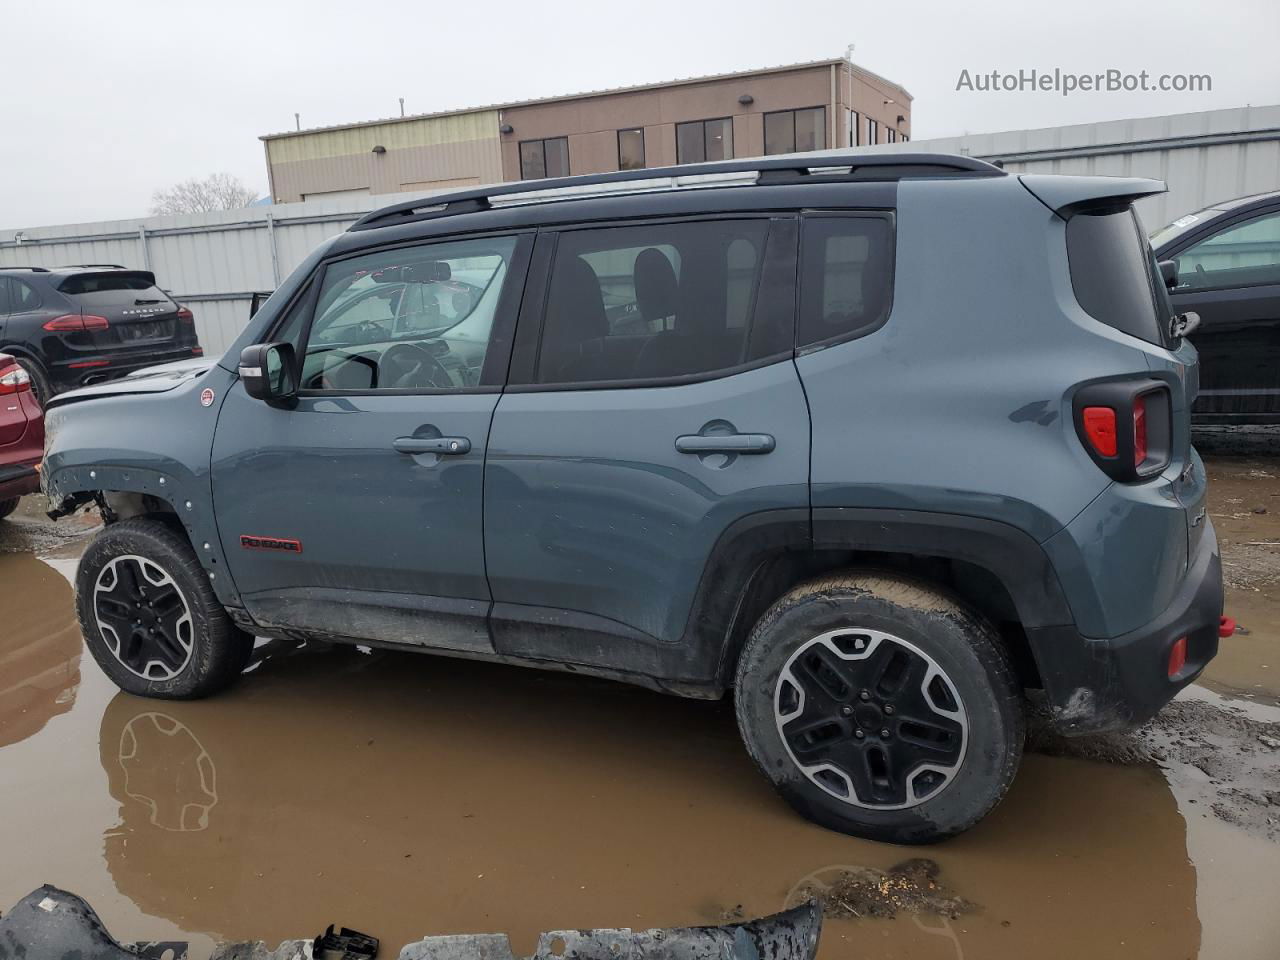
(216, 261)
(1203, 157)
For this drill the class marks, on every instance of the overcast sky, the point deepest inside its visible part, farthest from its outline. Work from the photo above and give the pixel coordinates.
(107, 101)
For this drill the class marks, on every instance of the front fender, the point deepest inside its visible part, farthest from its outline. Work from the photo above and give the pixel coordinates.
(157, 445)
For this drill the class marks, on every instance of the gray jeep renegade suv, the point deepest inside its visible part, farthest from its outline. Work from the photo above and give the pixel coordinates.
(875, 443)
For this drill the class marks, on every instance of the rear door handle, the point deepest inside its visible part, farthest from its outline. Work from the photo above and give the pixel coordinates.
(445, 446)
(732, 443)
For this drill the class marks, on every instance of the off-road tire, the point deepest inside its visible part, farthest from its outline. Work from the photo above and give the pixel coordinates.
(8, 506)
(40, 385)
(219, 649)
(963, 644)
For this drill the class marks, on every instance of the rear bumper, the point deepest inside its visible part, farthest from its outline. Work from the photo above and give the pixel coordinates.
(1119, 683)
(73, 373)
(19, 479)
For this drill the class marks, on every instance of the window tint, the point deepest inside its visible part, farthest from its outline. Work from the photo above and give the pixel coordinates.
(790, 130)
(1111, 272)
(846, 279)
(1244, 255)
(120, 290)
(659, 301)
(704, 140)
(22, 296)
(631, 149)
(544, 158)
(416, 318)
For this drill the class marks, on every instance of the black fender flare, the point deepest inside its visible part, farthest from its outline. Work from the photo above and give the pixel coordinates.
(68, 486)
(716, 623)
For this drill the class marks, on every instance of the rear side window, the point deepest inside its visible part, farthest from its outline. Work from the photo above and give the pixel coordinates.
(660, 301)
(4, 296)
(1111, 272)
(113, 290)
(846, 282)
(22, 296)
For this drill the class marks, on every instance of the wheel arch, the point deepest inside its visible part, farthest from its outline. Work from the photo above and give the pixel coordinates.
(996, 568)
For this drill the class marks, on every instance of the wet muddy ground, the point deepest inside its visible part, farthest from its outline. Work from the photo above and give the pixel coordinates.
(406, 795)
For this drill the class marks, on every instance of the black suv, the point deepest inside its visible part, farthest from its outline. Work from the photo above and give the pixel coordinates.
(72, 326)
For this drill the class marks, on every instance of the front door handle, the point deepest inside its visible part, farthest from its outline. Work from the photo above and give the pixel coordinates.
(725, 443)
(445, 446)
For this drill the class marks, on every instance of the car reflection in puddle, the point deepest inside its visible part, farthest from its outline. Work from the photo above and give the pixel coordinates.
(40, 649)
(407, 796)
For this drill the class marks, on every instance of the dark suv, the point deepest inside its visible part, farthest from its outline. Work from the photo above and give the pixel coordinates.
(72, 326)
(1226, 270)
(875, 443)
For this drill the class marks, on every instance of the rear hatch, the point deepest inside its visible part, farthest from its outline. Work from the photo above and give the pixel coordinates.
(137, 312)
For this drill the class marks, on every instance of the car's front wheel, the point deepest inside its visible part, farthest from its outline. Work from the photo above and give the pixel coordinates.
(150, 617)
(880, 707)
(8, 506)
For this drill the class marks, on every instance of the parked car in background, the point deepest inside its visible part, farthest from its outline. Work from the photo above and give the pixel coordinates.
(1228, 261)
(21, 435)
(72, 326)
(788, 432)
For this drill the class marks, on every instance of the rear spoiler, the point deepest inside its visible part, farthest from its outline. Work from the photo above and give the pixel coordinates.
(146, 275)
(1067, 195)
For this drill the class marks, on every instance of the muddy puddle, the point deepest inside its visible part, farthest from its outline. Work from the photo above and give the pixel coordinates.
(408, 795)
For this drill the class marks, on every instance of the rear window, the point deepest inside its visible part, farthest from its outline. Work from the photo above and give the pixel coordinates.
(1112, 272)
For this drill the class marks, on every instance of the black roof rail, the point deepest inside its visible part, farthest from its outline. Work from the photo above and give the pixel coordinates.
(109, 266)
(32, 269)
(772, 170)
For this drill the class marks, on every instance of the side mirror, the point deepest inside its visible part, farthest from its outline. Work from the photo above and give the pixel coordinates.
(1183, 324)
(1169, 271)
(268, 372)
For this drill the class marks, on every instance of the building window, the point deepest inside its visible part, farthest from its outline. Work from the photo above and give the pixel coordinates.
(790, 130)
(704, 140)
(631, 149)
(893, 135)
(852, 121)
(903, 137)
(544, 158)
(873, 131)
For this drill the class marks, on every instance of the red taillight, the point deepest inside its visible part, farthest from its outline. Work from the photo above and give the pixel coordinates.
(76, 321)
(186, 315)
(1139, 431)
(89, 363)
(14, 380)
(197, 351)
(1177, 657)
(1100, 427)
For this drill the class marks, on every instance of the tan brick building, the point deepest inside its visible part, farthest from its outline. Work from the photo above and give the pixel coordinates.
(810, 106)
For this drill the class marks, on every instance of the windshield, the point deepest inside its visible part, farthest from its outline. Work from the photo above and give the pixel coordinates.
(1182, 225)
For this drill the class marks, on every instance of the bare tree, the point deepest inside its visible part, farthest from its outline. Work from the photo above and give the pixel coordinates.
(218, 191)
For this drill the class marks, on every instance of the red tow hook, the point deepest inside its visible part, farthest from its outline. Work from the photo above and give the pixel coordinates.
(1226, 627)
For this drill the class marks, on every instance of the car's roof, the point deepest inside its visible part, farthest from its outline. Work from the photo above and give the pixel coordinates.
(70, 269)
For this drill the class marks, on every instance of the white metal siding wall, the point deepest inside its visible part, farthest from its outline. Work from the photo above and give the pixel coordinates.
(1203, 157)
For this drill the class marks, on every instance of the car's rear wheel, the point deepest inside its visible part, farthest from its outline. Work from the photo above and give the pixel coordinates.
(40, 386)
(881, 708)
(150, 617)
(8, 506)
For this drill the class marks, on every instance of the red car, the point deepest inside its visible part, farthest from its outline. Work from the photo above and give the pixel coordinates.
(21, 435)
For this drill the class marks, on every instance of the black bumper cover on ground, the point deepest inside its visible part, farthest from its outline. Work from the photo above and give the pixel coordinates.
(1095, 686)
